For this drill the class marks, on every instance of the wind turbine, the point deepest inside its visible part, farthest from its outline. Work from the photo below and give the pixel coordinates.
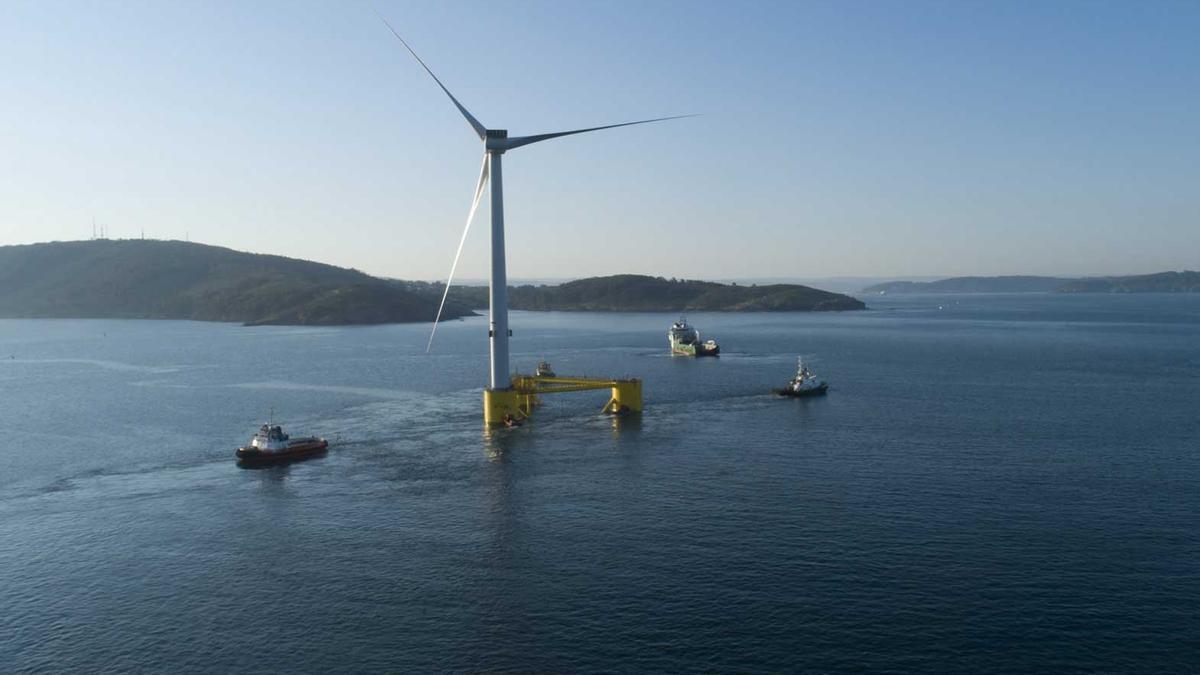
(496, 143)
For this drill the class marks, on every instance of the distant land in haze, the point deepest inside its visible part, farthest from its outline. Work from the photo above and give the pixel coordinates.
(843, 284)
(152, 279)
(1162, 282)
(1010, 284)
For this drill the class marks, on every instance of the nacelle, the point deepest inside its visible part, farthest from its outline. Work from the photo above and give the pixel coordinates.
(497, 140)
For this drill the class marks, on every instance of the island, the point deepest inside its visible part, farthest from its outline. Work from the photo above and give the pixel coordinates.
(153, 279)
(1162, 282)
(639, 293)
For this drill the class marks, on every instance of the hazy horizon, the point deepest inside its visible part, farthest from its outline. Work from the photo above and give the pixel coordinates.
(927, 140)
(838, 282)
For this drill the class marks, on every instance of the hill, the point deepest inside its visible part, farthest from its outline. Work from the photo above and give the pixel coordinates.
(1010, 284)
(148, 279)
(1163, 282)
(638, 293)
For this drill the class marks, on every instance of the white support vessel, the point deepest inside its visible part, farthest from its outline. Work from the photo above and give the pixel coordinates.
(685, 341)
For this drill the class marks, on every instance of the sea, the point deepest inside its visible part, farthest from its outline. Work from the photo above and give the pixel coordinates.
(994, 483)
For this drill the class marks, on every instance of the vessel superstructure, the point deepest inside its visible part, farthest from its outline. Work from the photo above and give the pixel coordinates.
(685, 341)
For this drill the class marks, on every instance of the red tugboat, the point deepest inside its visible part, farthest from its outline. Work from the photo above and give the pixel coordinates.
(270, 446)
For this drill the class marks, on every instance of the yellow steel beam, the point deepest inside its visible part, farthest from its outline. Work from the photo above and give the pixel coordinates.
(540, 384)
(516, 403)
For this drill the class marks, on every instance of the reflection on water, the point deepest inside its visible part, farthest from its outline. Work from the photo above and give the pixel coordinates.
(628, 425)
(272, 480)
(495, 442)
(500, 442)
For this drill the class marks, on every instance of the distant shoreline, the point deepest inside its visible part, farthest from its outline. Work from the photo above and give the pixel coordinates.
(1161, 282)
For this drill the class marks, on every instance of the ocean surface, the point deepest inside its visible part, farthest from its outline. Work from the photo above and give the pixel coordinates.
(998, 483)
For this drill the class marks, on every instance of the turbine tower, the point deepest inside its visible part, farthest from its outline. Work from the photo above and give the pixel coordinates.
(496, 143)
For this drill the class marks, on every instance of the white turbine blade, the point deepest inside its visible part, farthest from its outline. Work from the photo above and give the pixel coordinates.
(518, 141)
(483, 179)
(479, 128)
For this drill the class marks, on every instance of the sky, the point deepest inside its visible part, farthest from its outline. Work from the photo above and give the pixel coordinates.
(878, 139)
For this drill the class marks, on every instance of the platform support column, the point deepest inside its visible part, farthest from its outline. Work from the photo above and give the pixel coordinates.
(499, 404)
(626, 397)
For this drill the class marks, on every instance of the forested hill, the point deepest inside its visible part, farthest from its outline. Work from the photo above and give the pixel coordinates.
(148, 279)
(637, 293)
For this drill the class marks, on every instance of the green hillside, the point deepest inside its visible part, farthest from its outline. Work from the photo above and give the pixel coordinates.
(139, 279)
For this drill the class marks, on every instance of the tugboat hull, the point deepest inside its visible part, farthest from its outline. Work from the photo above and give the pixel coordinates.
(249, 457)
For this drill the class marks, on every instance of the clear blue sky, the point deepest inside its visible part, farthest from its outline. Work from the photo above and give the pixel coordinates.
(872, 139)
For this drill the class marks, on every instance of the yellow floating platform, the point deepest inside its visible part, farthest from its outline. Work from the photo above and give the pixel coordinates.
(500, 406)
